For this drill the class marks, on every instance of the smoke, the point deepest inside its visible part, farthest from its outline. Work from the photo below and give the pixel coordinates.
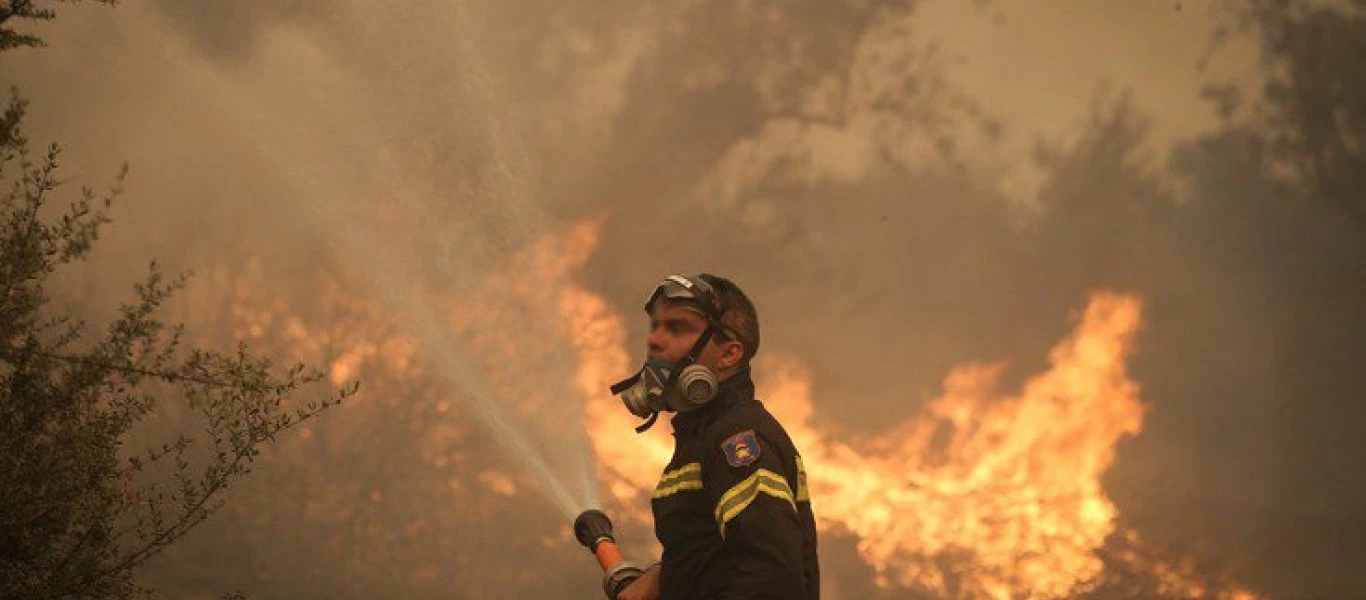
(231, 32)
(901, 187)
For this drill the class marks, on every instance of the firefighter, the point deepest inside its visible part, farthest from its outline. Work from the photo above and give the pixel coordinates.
(731, 509)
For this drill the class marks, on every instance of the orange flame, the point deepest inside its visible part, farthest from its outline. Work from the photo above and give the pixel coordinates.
(984, 496)
(1012, 483)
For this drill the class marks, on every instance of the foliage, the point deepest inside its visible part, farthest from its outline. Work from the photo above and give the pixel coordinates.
(80, 510)
(16, 10)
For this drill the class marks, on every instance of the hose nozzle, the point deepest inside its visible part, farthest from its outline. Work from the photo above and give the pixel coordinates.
(594, 531)
(591, 528)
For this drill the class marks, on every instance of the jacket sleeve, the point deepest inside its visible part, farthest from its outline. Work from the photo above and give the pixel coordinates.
(756, 516)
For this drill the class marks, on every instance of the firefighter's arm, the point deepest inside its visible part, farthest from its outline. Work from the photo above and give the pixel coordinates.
(756, 516)
(644, 588)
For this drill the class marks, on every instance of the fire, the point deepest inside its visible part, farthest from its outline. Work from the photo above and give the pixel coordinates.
(986, 495)
(630, 462)
(1180, 578)
(1010, 484)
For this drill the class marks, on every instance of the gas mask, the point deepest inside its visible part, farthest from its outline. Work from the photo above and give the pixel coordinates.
(679, 387)
(653, 391)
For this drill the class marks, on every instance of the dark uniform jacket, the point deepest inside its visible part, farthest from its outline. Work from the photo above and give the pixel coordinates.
(732, 509)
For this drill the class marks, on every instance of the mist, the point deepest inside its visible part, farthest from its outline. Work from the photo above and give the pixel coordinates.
(901, 187)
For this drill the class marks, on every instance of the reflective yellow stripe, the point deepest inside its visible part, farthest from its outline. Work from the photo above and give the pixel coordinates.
(742, 494)
(684, 478)
(681, 486)
(688, 471)
(803, 494)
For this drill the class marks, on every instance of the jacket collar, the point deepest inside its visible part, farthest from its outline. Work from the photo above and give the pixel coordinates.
(734, 390)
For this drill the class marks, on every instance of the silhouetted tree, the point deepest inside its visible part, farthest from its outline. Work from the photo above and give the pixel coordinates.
(1314, 53)
(15, 11)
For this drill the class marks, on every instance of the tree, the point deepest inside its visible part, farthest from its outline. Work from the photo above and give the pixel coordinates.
(80, 510)
(1312, 107)
(25, 9)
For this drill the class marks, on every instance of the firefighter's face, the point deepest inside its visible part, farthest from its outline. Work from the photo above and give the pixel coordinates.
(674, 328)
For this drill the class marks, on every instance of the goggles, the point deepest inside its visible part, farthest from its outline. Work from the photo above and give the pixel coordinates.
(692, 290)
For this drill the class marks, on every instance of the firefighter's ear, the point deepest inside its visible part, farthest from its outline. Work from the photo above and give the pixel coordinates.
(731, 353)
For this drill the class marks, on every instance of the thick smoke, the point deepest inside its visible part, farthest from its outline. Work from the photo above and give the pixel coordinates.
(900, 186)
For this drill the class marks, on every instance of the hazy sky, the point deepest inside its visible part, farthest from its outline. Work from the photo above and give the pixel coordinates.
(1036, 66)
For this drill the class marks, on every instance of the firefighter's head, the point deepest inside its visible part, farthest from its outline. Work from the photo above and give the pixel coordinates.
(683, 307)
(703, 330)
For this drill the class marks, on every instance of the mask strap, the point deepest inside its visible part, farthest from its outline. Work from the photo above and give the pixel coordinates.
(673, 377)
(693, 353)
(689, 359)
(621, 386)
(643, 427)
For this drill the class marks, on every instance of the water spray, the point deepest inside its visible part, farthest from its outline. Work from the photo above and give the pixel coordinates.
(381, 262)
(327, 197)
(594, 530)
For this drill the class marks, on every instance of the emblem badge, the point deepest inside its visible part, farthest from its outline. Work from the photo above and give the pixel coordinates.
(741, 449)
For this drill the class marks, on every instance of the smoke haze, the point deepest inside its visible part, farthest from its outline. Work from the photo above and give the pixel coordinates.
(901, 187)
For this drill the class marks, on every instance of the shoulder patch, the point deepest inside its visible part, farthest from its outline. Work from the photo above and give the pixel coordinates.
(741, 449)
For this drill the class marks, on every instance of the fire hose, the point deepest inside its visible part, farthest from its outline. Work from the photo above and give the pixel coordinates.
(594, 530)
